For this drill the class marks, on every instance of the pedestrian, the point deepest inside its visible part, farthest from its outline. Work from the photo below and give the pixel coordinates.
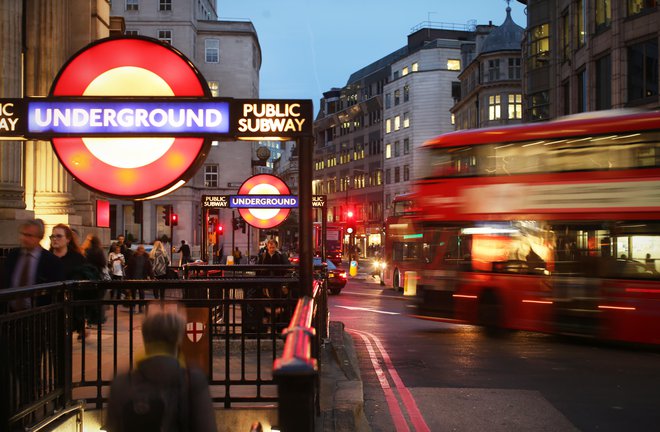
(63, 245)
(159, 263)
(272, 255)
(93, 251)
(121, 243)
(30, 263)
(184, 250)
(139, 267)
(649, 263)
(116, 263)
(237, 255)
(161, 393)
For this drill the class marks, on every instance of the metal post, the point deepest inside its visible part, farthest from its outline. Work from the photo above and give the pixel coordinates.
(324, 229)
(306, 226)
(232, 232)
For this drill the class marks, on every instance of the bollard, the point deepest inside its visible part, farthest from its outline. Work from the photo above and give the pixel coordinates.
(353, 268)
(410, 283)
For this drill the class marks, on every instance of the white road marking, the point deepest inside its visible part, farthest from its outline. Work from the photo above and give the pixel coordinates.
(368, 310)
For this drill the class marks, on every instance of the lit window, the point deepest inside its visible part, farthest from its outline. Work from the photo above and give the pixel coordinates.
(165, 5)
(212, 50)
(397, 97)
(639, 6)
(211, 176)
(388, 151)
(165, 36)
(214, 86)
(494, 107)
(406, 120)
(515, 106)
(453, 118)
(539, 46)
(406, 93)
(454, 64)
(415, 67)
(404, 71)
(132, 5)
(388, 126)
(397, 123)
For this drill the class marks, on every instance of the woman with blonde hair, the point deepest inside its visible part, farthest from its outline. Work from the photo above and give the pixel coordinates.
(159, 262)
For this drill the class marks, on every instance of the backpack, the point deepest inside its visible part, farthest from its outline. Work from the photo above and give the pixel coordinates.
(154, 408)
(160, 264)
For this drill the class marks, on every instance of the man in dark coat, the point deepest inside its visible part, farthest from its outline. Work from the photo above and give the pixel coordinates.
(184, 250)
(30, 263)
(190, 406)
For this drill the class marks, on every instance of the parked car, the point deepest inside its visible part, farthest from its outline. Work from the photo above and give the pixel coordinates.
(337, 277)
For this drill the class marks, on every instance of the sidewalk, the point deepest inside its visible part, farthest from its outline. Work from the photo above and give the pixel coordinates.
(342, 398)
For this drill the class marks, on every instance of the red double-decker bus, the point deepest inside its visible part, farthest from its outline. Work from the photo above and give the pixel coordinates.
(334, 241)
(549, 226)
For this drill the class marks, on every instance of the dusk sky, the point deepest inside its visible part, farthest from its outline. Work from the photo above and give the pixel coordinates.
(310, 46)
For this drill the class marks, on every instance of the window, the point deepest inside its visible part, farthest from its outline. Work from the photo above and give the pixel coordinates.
(566, 91)
(211, 176)
(406, 120)
(388, 100)
(603, 14)
(494, 107)
(565, 36)
(515, 106)
(132, 32)
(165, 5)
(397, 174)
(493, 70)
(406, 146)
(388, 151)
(388, 126)
(539, 46)
(132, 5)
(214, 86)
(454, 64)
(539, 106)
(514, 68)
(638, 6)
(388, 176)
(643, 70)
(406, 172)
(165, 36)
(582, 91)
(404, 71)
(397, 97)
(603, 83)
(406, 93)
(397, 149)
(212, 50)
(397, 123)
(580, 34)
(415, 67)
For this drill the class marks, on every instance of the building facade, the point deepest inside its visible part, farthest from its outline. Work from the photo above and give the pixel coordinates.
(33, 48)
(417, 103)
(228, 55)
(588, 55)
(490, 90)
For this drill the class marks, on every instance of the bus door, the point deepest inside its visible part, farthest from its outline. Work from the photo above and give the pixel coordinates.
(439, 279)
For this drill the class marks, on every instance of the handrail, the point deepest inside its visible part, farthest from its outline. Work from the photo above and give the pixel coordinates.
(79, 407)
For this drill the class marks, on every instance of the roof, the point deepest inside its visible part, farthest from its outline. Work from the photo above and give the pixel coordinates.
(377, 65)
(506, 37)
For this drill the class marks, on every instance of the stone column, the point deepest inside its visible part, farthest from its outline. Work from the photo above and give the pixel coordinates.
(12, 192)
(48, 185)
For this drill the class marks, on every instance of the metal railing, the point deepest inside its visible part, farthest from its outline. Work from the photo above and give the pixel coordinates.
(47, 369)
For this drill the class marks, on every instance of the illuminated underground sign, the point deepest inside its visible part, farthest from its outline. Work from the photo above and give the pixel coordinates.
(131, 117)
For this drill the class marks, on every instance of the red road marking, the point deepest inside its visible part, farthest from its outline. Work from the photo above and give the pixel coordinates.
(408, 401)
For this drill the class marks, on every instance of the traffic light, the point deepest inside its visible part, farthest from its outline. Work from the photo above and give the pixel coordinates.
(242, 225)
(219, 230)
(351, 226)
(175, 219)
(167, 214)
(234, 223)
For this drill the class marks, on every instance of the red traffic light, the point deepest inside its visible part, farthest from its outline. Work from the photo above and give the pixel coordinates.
(349, 214)
(175, 219)
(220, 230)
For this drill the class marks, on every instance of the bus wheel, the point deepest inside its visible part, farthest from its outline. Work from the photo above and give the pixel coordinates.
(396, 283)
(490, 312)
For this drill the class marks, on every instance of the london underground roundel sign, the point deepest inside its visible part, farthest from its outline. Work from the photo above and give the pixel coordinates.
(264, 185)
(130, 167)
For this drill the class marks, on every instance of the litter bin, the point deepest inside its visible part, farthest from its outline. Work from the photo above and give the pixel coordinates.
(353, 268)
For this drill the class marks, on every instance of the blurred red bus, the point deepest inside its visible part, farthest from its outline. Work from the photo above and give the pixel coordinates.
(403, 248)
(550, 226)
(334, 241)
